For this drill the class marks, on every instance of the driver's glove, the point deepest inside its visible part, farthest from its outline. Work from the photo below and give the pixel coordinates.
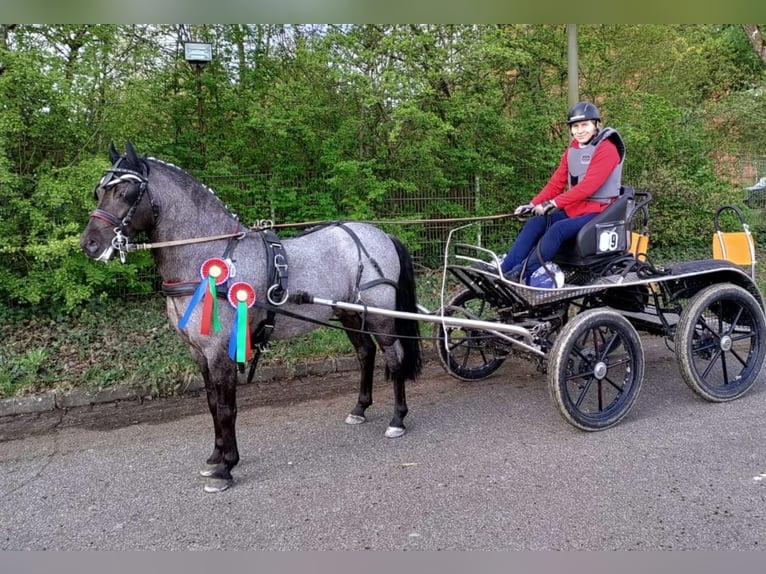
(545, 207)
(525, 209)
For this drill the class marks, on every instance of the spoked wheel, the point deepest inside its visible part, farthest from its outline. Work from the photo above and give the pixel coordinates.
(596, 369)
(719, 342)
(469, 354)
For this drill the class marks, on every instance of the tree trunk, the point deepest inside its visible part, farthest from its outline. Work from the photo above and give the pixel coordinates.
(4, 30)
(753, 33)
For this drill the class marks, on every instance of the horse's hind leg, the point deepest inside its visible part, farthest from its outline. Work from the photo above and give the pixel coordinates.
(365, 353)
(395, 372)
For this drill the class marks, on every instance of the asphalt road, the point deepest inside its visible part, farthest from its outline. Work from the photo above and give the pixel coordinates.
(490, 465)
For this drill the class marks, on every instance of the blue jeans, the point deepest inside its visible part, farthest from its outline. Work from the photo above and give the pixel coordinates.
(562, 229)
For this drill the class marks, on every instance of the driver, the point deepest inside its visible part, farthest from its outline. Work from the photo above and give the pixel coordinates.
(586, 181)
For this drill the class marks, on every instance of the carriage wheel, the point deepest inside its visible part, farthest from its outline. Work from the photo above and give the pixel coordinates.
(473, 354)
(719, 342)
(596, 369)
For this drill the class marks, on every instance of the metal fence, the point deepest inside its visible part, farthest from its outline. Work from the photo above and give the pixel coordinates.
(425, 212)
(424, 217)
(743, 170)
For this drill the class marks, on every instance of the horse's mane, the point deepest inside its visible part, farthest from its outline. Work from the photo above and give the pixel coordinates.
(185, 174)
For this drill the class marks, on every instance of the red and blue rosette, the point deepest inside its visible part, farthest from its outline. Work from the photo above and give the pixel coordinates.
(241, 296)
(213, 272)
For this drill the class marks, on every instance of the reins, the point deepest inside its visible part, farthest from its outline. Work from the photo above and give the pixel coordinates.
(396, 221)
(173, 243)
(266, 224)
(122, 244)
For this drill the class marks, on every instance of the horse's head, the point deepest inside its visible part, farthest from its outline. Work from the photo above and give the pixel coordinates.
(124, 206)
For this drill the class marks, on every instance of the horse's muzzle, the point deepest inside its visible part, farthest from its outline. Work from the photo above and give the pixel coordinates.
(95, 249)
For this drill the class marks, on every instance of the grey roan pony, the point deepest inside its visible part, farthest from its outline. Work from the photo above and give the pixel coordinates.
(350, 261)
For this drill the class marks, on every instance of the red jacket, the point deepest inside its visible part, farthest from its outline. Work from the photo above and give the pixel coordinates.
(574, 201)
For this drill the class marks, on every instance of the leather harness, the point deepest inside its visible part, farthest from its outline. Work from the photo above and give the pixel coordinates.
(277, 293)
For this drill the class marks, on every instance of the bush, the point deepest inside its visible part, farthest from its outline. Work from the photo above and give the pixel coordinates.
(39, 243)
(666, 156)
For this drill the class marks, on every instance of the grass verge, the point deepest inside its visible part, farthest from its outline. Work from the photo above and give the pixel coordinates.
(131, 343)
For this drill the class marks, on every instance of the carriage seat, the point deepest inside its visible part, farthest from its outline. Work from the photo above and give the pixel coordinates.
(607, 234)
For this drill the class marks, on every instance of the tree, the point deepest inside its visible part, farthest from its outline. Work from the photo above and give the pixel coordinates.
(306, 122)
(754, 34)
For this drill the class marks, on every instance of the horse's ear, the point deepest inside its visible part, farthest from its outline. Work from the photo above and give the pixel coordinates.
(130, 153)
(113, 155)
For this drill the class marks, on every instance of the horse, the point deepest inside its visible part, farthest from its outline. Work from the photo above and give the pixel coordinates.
(196, 241)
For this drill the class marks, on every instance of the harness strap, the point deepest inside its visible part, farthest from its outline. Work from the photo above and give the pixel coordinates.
(188, 287)
(276, 259)
(231, 245)
(383, 280)
(276, 294)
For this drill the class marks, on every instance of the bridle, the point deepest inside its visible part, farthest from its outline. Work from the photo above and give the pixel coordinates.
(133, 196)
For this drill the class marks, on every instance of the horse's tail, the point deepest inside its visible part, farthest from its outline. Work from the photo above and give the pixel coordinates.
(408, 330)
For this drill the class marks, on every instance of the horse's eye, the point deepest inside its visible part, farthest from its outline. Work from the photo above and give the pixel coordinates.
(131, 192)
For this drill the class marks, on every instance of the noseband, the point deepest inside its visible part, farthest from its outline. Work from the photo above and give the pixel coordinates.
(114, 176)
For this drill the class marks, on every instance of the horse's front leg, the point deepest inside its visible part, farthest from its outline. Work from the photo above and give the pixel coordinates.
(365, 352)
(216, 457)
(221, 388)
(212, 462)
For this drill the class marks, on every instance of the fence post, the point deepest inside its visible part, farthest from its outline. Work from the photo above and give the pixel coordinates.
(477, 205)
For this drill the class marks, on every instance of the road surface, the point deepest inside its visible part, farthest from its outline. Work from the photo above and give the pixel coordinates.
(490, 465)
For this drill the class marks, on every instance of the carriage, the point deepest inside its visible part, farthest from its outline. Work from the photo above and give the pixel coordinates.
(583, 334)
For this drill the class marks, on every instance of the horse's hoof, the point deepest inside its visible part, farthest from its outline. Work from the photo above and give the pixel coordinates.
(395, 432)
(355, 420)
(217, 484)
(208, 469)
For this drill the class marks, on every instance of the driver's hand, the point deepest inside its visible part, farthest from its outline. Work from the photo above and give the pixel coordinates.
(525, 209)
(544, 207)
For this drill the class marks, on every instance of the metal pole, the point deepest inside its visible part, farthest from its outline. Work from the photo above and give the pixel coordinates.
(200, 121)
(477, 204)
(496, 329)
(572, 65)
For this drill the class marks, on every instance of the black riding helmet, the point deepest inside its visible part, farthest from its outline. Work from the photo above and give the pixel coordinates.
(583, 111)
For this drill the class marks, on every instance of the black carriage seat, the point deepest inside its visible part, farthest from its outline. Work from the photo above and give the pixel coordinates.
(606, 235)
